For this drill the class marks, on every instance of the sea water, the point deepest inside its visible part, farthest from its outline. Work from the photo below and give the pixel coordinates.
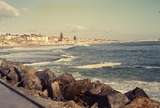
(124, 66)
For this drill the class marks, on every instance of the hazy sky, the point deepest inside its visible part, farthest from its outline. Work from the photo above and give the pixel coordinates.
(115, 19)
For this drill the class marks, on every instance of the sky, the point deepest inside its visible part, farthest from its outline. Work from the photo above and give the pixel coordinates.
(112, 19)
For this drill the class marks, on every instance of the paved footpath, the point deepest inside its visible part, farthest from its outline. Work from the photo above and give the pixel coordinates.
(11, 99)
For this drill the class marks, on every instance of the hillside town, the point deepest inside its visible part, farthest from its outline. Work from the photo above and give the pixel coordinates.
(9, 40)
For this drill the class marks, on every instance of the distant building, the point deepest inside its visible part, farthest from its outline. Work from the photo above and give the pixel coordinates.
(9, 36)
(53, 39)
(34, 37)
(74, 38)
(61, 37)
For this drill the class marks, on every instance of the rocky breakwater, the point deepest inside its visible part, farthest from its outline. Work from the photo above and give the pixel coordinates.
(66, 92)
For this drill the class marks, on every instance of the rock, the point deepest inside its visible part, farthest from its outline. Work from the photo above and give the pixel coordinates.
(46, 77)
(143, 102)
(71, 93)
(137, 92)
(117, 100)
(20, 75)
(59, 84)
(12, 75)
(4, 72)
(105, 96)
(99, 88)
(30, 79)
(56, 93)
(10, 71)
(71, 104)
(1, 61)
(87, 94)
(75, 90)
(44, 94)
(95, 105)
(66, 78)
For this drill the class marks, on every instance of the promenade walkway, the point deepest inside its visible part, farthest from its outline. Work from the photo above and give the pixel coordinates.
(11, 98)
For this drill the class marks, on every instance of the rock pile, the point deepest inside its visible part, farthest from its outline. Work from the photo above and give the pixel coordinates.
(69, 92)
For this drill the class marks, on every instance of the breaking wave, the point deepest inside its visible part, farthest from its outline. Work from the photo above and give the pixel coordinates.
(65, 58)
(152, 67)
(38, 64)
(100, 65)
(151, 88)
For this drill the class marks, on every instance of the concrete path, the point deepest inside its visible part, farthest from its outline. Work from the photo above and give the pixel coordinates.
(11, 99)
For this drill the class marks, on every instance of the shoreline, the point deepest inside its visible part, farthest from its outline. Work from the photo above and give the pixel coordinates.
(35, 41)
(66, 90)
(72, 43)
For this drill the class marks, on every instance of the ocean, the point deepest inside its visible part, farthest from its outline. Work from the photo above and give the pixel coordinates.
(124, 66)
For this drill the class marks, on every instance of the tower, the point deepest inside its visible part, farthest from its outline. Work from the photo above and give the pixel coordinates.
(61, 37)
(74, 38)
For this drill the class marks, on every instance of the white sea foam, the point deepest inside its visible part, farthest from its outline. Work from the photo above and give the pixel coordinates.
(82, 44)
(38, 64)
(151, 88)
(100, 65)
(77, 75)
(35, 48)
(65, 58)
(152, 67)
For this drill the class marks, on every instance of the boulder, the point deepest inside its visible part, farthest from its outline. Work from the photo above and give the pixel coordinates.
(4, 72)
(143, 102)
(46, 77)
(95, 105)
(72, 104)
(117, 99)
(137, 92)
(105, 96)
(100, 88)
(92, 94)
(44, 94)
(59, 84)
(65, 78)
(11, 71)
(11, 74)
(30, 79)
(55, 92)
(75, 90)
(20, 75)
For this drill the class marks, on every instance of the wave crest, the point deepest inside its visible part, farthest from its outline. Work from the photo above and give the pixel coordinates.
(65, 58)
(38, 64)
(100, 65)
